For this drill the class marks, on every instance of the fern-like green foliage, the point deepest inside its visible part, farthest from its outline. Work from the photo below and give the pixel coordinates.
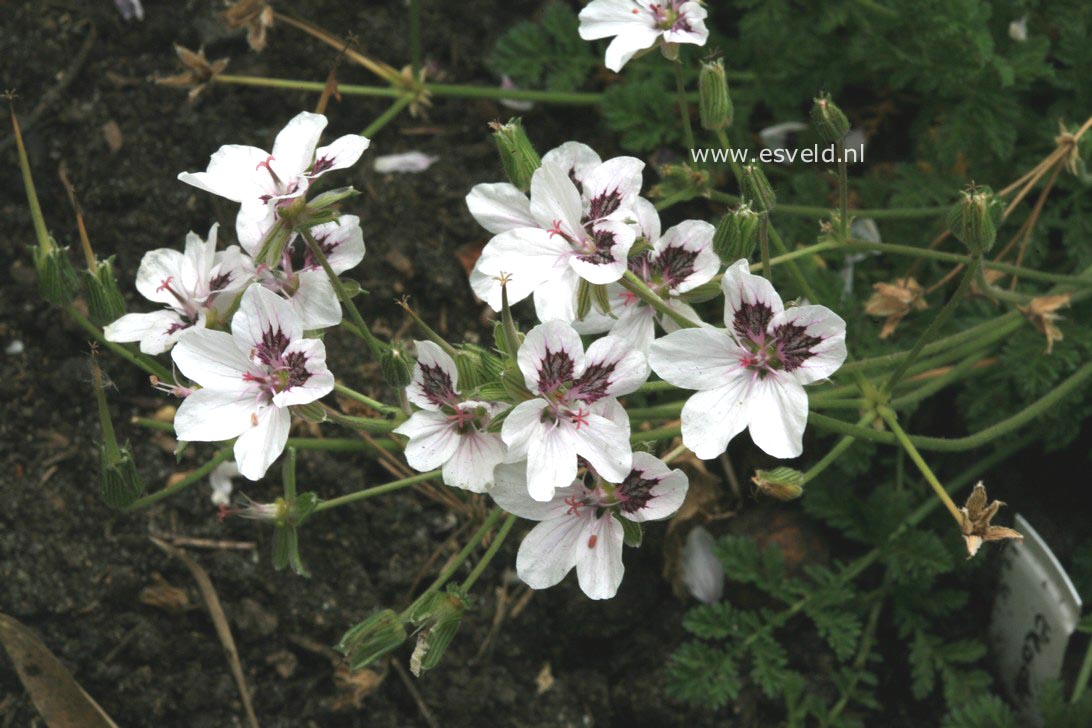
(548, 53)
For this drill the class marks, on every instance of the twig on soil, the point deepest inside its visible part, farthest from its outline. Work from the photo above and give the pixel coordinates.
(209, 543)
(421, 705)
(219, 621)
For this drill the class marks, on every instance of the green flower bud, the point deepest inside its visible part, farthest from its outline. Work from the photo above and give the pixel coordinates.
(517, 155)
(737, 234)
(311, 412)
(57, 279)
(378, 635)
(828, 120)
(515, 386)
(781, 483)
(468, 364)
(104, 301)
(120, 481)
(756, 188)
(440, 617)
(396, 367)
(975, 217)
(714, 101)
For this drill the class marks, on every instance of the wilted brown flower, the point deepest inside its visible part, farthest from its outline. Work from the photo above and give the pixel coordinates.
(254, 15)
(1041, 313)
(198, 73)
(894, 300)
(976, 514)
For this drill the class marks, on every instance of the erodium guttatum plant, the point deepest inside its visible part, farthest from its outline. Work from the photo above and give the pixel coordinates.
(657, 336)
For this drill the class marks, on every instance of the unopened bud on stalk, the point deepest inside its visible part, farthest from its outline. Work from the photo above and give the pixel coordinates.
(506, 336)
(737, 234)
(439, 616)
(105, 303)
(120, 482)
(476, 366)
(975, 217)
(756, 188)
(57, 279)
(119, 479)
(781, 483)
(378, 635)
(311, 412)
(517, 154)
(515, 386)
(396, 366)
(828, 120)
(714, 101)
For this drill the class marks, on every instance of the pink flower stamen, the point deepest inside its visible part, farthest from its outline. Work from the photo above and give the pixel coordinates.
(579, 417)
(575, 504)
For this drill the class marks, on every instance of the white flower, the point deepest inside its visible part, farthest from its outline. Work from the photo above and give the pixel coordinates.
(193, 285)
(261, 181)
(449, 431)
(406, 162)
(573, 227)
(220, 480)
(702, 571)
(1018, 30)
(300, 279)
(249, 378)
(575, 412)
(639, 24)
(752, 374)
(680, 260)
(578, 525)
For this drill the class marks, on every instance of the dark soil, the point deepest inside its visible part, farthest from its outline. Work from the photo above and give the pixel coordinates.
(74, 571)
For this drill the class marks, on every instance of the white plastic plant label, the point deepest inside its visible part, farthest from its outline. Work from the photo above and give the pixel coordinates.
(1034, 614)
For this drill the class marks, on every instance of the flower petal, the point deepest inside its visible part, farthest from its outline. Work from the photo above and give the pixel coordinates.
(551, 355)
(520, 426)
(473, 464)
(575, 158)
(550, 550)
(319, 381)
(156, 331)
(778, 413)
(555, 300)
(811, 342)
(529, 257)
(627, 44)
(696, 358)
(685, 254)
(667, 492)
(231, 173)
(509, 491)
(433, 439)
(612, 188)
(295, 145)
(604, 445)
(261, 445)
(500, 207)
(159, 274)
(555, 201)
(315, 304)
(750, 301)
(212, 359)
(342, 242)
(210, 415)
(261, 312)
(599, 565)
(612, 367)
(551, 460)
(435, 378)
(710, 419)
(341, 153)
